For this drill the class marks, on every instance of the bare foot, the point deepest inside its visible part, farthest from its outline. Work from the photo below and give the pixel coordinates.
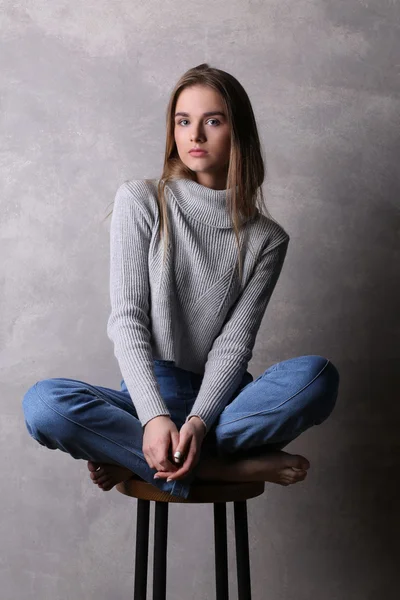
(275, 467)
(106, 475)
(279, 467)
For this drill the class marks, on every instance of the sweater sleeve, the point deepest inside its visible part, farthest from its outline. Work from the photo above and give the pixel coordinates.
(128, 323)
(232, 349)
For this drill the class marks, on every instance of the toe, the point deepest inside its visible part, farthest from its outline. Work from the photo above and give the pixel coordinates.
(291, 476)
(303, 463)
(94, 475)
(99, 473)
(92, 466)
(103, 479)
(108, 485)
(298, 472)
(296, 461)
(299, 476)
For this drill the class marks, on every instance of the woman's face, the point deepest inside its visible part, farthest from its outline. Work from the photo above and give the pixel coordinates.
(209, 132)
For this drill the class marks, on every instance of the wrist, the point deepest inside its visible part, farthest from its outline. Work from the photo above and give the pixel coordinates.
(157, 419)
(198, 422)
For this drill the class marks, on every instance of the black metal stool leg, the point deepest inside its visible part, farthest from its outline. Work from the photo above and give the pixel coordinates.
(242, 550)
(142, 549)
(160, 551)
(221, 551)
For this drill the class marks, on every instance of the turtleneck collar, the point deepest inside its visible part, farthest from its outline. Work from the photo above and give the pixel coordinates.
(203, 203)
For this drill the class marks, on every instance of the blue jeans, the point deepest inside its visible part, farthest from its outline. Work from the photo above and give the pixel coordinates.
(101, 424)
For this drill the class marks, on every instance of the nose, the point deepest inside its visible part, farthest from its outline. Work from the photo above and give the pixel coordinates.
(197, 133)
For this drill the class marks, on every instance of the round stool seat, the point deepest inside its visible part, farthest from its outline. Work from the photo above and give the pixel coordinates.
(200, 491)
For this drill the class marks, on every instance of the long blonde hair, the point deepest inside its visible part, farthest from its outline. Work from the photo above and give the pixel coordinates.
(246, 170)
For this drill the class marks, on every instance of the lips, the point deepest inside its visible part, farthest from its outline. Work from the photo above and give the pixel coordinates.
(197, 151)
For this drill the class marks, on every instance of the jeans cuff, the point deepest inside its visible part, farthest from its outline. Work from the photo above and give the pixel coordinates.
(181, 489)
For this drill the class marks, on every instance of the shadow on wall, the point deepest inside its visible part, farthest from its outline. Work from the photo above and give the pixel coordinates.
(365, 462)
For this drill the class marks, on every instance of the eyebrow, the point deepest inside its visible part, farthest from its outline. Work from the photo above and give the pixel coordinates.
(206, 114)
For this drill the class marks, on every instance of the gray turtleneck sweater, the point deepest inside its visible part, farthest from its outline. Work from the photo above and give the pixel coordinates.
(193, 310)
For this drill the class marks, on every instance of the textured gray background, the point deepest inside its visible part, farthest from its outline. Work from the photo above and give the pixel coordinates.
(84, 86)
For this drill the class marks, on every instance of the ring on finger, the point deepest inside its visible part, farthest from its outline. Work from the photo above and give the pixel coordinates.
(178, 456)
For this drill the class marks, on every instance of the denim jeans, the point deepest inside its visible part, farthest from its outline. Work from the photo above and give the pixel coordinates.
(100, 424)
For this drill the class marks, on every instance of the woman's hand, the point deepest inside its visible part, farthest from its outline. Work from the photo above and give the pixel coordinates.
(160, 436)
(191, 436)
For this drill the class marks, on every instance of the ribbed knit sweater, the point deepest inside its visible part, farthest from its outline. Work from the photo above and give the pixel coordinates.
(193, 310)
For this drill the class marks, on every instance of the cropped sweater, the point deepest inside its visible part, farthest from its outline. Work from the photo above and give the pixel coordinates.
(192, 310)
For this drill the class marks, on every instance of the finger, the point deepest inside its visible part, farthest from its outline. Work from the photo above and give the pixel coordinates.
(163, 474)
(157, 465)
(182, 472)
(174, 442)
(178, 458)
(159, 454)
(183, 445)
(161, 463)
(188, 464)
(167, 462)
(169, 467)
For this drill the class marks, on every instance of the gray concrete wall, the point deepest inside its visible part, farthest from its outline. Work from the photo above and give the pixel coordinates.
(84, 88)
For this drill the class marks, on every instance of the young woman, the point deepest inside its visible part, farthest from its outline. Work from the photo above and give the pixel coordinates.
(193, 263)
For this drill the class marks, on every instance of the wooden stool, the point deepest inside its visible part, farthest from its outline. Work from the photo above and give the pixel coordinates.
(200, 492)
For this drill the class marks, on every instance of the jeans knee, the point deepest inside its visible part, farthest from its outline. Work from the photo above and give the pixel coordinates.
(330, 381)
(39, 417)
(317, 364)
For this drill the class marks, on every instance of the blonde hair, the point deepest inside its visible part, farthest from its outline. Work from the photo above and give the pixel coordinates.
(246, 170)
